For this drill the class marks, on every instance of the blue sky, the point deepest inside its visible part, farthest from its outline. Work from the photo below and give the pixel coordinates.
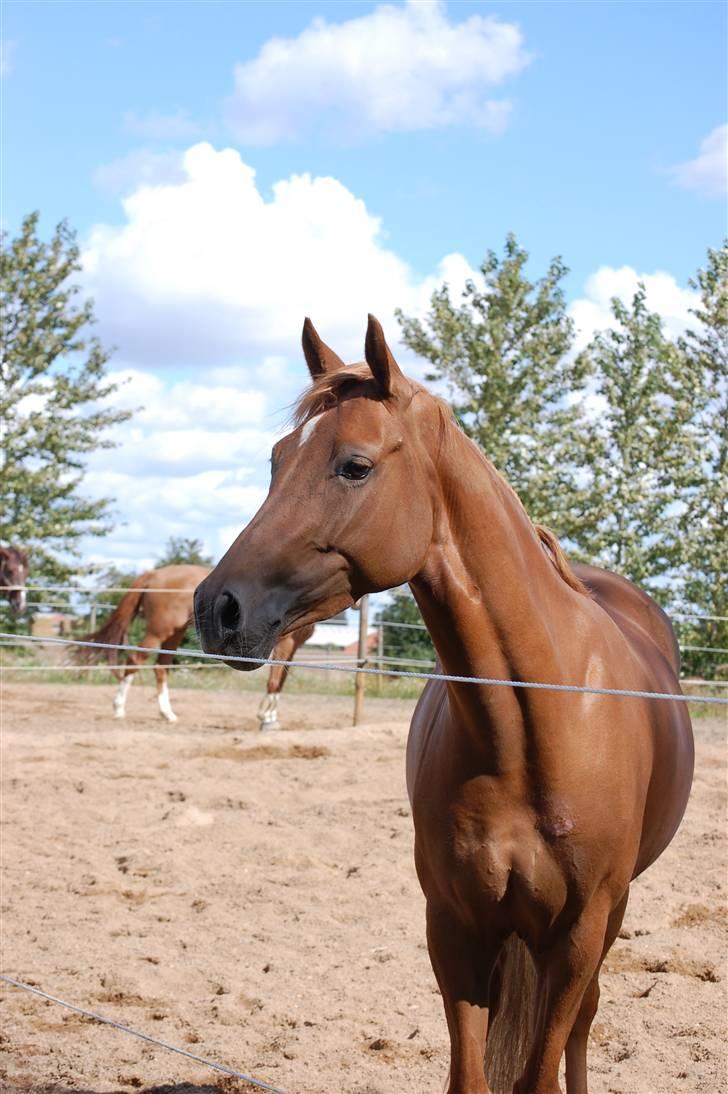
(592, 130)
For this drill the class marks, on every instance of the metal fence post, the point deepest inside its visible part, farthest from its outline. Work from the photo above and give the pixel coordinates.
(361, 659)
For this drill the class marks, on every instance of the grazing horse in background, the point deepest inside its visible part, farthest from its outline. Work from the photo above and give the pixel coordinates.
(533, 810)
(164, 597)
(13, 572)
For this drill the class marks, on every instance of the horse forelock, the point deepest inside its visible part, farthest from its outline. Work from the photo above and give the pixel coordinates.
(327, 390)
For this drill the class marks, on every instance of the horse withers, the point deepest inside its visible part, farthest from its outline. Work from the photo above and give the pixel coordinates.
(533, 810)
(14, 566)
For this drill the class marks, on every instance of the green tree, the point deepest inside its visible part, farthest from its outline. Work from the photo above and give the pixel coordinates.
(704, 519)
(639, 451)
(181, 550)
(53, 401)
(504, 353)
(408, 641)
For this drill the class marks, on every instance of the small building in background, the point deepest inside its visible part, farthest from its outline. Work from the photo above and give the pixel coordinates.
(343, 638)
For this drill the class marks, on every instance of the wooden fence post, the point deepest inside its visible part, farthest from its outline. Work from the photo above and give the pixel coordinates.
(361, 658)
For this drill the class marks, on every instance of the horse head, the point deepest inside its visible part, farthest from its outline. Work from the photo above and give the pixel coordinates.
(331, 528)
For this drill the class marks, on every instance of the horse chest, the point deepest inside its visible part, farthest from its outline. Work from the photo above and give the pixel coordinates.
(494, 866)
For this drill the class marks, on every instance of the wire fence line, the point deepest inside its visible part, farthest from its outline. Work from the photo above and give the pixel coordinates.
(92, 591)
(628, 693)
(60, 666)
(223, 1068)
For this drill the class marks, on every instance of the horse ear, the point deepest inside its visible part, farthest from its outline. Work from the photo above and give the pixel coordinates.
(379, 357)
(320, 358)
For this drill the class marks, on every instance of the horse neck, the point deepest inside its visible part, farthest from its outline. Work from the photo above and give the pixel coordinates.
(488, 592)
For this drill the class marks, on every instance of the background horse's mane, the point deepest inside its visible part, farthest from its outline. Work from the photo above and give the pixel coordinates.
(327, 390)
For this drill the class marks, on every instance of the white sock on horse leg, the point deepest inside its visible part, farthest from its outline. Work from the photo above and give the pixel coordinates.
(268, 710)
(121, 693)
(165, 706)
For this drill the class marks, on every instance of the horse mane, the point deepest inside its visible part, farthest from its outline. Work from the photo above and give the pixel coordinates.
(325, 393)
(556, 553)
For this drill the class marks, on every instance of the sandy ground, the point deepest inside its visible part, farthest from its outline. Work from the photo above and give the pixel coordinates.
(252, 899)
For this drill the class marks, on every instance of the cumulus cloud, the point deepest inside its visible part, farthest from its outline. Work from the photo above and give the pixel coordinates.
(206, 270)
(593, 312)
(707, 174)
(398, 68)
(192, 461)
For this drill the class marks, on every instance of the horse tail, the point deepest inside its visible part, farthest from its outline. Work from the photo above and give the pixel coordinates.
(511, 1032)
(116, 628)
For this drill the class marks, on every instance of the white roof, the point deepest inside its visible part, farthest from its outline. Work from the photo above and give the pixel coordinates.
(334, 634)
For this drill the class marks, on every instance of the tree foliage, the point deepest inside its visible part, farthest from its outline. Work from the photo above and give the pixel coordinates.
(180, 550)
(405, 641)
(703, 526)
(622, 450)
(638, 448)
(54, 394)
(504, 353)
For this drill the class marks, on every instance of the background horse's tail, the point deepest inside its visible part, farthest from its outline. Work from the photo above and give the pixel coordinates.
(115, 629)
(511, 1033)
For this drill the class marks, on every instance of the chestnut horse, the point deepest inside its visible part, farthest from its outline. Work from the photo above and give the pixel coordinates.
(164, 597)
(533, 810)
(13, 572)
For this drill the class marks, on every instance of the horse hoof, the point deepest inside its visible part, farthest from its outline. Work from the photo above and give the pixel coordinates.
(118, 714)
(169, 717)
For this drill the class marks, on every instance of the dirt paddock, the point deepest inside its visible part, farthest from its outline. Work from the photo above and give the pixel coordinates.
(252, 898)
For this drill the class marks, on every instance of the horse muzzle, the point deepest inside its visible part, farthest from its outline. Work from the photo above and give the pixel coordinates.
(239, 619)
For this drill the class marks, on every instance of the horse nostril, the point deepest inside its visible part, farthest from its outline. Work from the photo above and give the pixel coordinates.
(229, 612)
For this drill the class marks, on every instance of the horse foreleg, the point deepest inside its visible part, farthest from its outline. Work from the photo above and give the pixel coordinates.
(576, 1046)
(268, 709)
(136, 659)
(566, 970)
(160, 675)
(463, 969)
(122, 692)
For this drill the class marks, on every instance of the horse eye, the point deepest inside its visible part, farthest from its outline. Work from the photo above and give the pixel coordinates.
(356, 469)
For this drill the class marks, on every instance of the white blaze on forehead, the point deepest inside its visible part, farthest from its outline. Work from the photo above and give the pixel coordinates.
(307, 429)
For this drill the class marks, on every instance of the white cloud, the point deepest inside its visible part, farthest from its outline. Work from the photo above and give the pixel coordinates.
(398, 68)
(593, 311)
(193, 459)
(206, 271)
(707, 174)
